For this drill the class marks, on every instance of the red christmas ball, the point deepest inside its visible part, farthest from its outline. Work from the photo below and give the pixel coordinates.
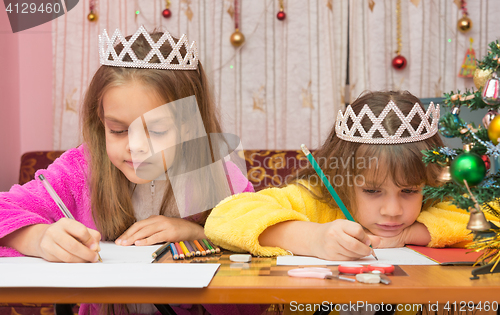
(281, 15)
(166, 13)
(399, 62)
(486, 160)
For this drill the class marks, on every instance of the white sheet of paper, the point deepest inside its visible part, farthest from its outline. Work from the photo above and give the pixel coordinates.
(393, 256)
(110, 254)
(123, 266)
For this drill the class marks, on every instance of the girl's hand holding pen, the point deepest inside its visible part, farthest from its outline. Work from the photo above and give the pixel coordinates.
(68, 241)
(342, 240)
(158, 229)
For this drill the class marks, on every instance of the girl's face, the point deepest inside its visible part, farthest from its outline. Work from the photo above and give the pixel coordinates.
(386, 209)
(128, 147)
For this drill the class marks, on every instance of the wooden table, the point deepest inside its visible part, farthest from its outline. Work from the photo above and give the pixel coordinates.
(263, 282)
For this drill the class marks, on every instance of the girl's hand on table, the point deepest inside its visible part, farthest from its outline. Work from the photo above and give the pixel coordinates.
(158, 229)
(415, 234)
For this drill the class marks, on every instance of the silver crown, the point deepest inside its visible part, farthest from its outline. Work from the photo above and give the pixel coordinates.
(344, 133)
(107, 48)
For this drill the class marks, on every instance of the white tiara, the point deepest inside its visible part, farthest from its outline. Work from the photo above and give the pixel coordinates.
(344, 133)
(107, 49)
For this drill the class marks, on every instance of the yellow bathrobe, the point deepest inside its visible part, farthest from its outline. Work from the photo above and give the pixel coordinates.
(237, 222)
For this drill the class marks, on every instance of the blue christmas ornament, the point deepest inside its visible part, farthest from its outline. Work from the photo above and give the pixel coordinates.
(455, 111)
(447, 151)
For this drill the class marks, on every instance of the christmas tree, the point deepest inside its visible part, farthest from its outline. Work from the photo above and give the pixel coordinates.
(469, 181)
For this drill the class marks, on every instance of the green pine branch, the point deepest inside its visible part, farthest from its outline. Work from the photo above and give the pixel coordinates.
(474, 103)
(488, 192)
(489, 61)
(459, 196)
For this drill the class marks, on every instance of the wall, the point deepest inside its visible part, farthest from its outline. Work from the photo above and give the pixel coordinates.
(9, 104)
(285, 84)
(26, 116)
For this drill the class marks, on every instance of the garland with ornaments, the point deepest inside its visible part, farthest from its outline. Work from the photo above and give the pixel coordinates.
(464, 24)
(237, 38)
(399, 62)
(467, 176)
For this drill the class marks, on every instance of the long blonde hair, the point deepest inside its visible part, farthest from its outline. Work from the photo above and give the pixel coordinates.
(110, 190)
(404, 161)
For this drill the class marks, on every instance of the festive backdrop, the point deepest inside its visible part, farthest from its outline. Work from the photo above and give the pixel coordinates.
(285, 84)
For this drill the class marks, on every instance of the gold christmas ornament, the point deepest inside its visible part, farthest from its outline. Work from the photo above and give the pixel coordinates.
(477, 221)
(464, 24)
(92, 17)
(494, 130)
(481, 76)
(237, 38)
(445, 175)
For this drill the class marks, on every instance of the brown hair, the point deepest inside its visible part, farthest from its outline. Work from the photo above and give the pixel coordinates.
(403, 161)
(110, 190)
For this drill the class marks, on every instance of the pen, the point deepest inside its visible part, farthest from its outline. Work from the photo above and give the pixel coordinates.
(58, 201)
(330, 188)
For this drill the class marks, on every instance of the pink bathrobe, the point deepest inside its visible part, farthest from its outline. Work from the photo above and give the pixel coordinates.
(31, 204)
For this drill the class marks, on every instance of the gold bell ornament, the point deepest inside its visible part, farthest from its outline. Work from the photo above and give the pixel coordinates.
(445, 175)
(477, 221)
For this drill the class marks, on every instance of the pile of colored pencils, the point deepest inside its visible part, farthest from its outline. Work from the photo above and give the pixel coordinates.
(187, 249)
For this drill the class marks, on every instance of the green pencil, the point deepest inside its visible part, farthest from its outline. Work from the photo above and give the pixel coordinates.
(332, 191)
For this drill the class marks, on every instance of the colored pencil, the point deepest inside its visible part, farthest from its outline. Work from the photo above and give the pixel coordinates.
(202, 251)
(184, 249)
(173, 249)
(179, 250)
(332, 191)
(210, 248)
(205, 248)
(217, 249)
(196, 250)
(190, 249)
(159, 251)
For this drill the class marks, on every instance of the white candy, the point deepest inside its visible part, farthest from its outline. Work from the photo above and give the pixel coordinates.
(368, 278)
(240, 258)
